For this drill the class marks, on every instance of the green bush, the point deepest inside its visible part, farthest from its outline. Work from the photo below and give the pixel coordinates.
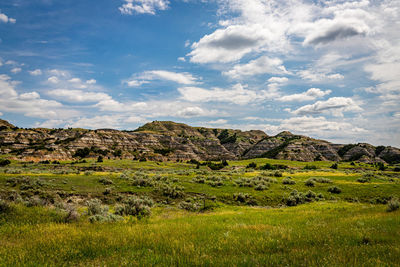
(310, 182)
(335, 190)
(310, 167)
(135, 206)
(190, 205)
(95, 207)
(393, 204)
(4, 162)
(288, 181)
(251, 165)
(4, 206)
(105, 181)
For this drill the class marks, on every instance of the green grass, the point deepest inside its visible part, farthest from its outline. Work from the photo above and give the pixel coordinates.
(347, 229)
(318, 234)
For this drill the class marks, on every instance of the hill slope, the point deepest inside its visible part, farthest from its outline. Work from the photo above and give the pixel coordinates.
(166, 140)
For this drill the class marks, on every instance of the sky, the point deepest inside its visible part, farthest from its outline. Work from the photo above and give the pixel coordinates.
(325, 69)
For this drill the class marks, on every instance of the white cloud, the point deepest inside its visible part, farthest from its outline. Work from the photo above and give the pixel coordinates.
(219, 121)
(36, 72)
(177, 77)
(30, 104)
(232, 43)
(318, 76)
(91, 81)
(334, 105)
(75, 80)
(316, 126)
(78, 95)
(310, 94)
(16, 70)
(143, 6)
(189, 112)
(29, 96)
(5, 19)
(53, 79)
(278, 80)
(238, 94)
(261, 65)
(182, 59)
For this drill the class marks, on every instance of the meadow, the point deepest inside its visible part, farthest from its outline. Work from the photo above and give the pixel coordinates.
(247, 213)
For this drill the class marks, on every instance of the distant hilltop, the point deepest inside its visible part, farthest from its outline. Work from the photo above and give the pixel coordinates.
(167, 140)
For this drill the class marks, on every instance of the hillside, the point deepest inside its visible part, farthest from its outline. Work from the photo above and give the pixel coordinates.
(166, 140)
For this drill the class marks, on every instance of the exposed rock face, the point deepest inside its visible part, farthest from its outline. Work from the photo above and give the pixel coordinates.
(175, 141)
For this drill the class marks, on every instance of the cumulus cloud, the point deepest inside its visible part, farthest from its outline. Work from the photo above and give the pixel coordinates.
(316, 126)
(143, 6)
(318, 76)
(238, 94)
(261, 65)
(30, 104)
(278, 80)
(219, 121)
(335, 105)
(310, 94)
(78, 95)
(6, 19)
(16, 70)
(230, 43)
(53, 79)
(147, 76)
(36, 72)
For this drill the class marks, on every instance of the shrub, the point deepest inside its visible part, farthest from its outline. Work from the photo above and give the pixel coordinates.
(260, 187)
(322, 180)
(310, 167)
(4, 206)
(288, 181)
(107, 191)
(393, 204)
(82, 152)
(171, 191)
(251, 165)
(95, 207)
(268, 166)
(364, 179)
(244, 198)
(100, 159)
(334, 166)
(278, 174)
(310, 182)
(4, 162)
(105, 181)
(135, 206)
(335, 190)
(105, 218)
(190, 205)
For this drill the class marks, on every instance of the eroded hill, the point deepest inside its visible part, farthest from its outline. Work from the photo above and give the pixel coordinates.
(165, 140)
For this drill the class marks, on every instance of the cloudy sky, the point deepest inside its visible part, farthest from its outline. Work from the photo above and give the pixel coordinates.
(326, 69)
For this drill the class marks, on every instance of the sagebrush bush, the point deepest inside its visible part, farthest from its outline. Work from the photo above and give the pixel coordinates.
(105, 218)
(135, 206)
(95, 207)
(190, 205)
(244, 198)
(288, 181)
(105, 181)
(335, 190)
(393, 204)
(310, 182)
(4, 206)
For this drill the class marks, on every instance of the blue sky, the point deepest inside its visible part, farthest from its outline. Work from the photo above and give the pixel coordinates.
(326, 69)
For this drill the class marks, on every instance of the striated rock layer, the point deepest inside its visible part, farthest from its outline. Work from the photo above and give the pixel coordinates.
(164, 140)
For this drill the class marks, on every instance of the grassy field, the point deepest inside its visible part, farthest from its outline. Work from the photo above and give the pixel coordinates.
(184, 215)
